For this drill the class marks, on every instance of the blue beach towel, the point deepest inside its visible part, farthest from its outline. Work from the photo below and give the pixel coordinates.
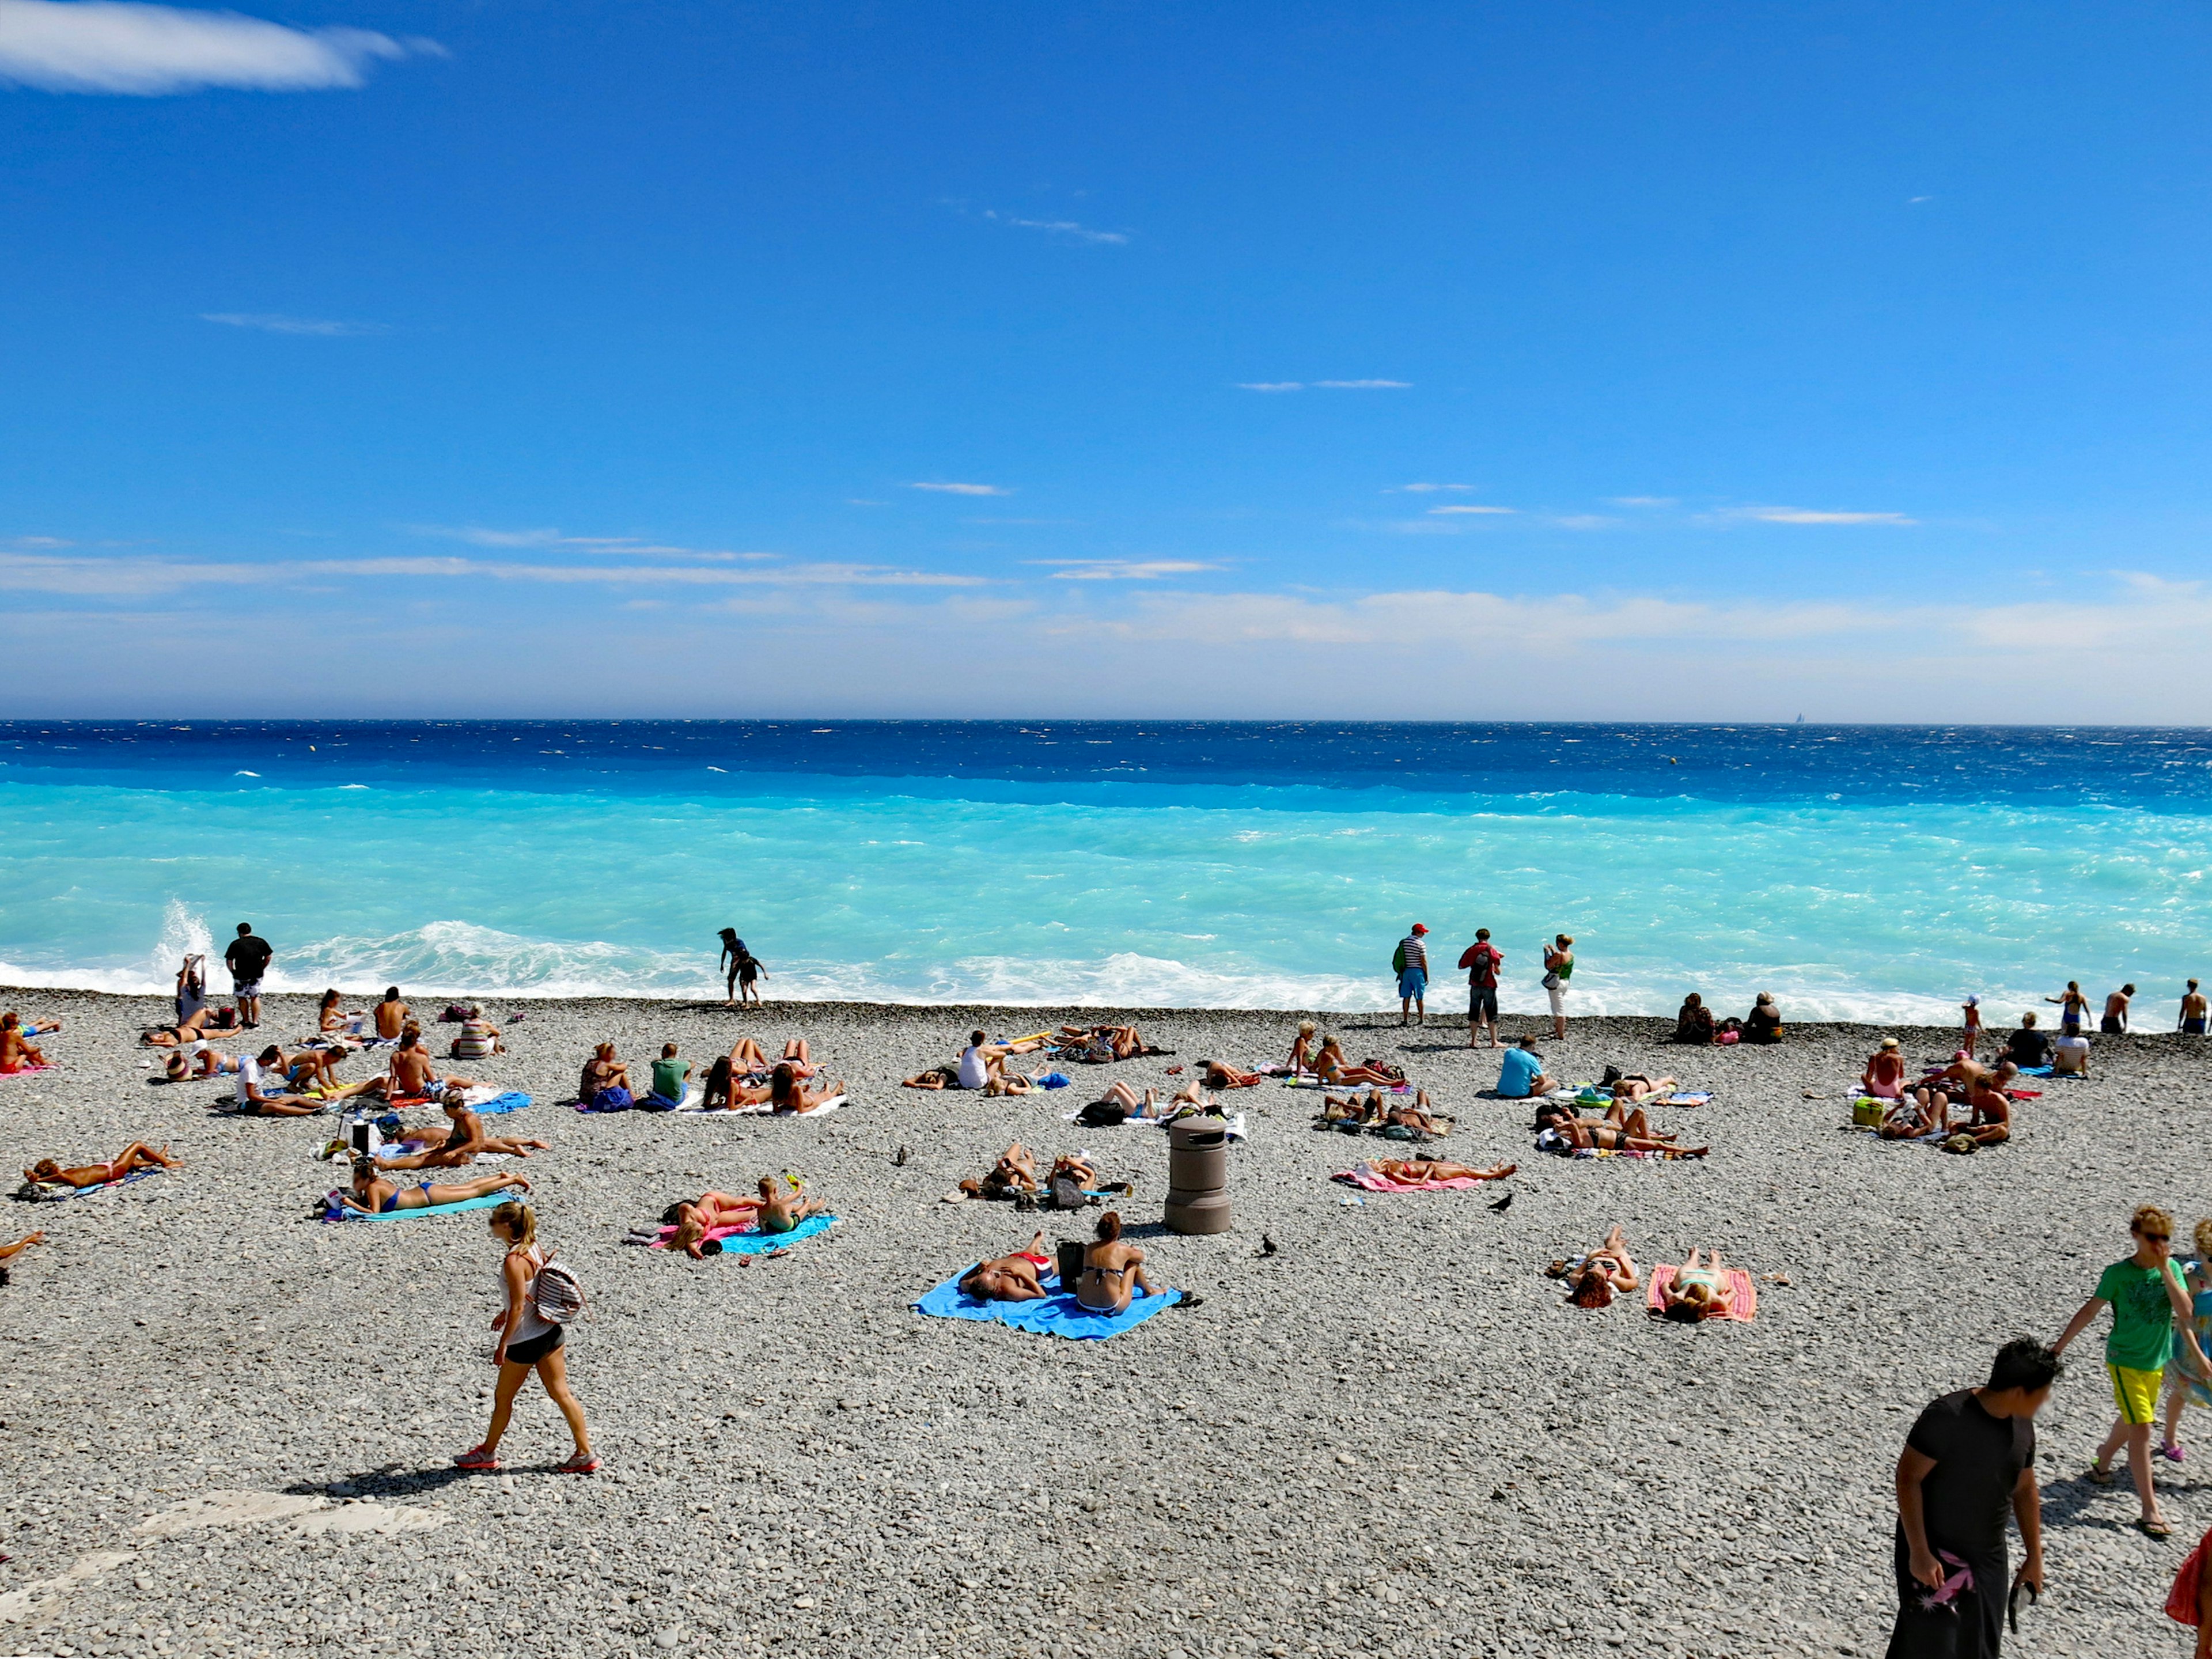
(513, 1101)
(336, 1212)
(761, 1244)
(1055, 1315)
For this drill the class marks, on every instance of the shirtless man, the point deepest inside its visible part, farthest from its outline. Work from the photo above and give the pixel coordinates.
(1991, 1122)
(255, 1095)
(2116, 1012)
(463, 1139)
(413, 1074)
(137, 1156)
(2193, 1012)
(391, 1015)
(783, 1208)
(1016, 1278)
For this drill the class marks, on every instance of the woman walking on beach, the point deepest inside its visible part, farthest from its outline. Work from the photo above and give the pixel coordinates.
(528, 1342)
(1558, 969)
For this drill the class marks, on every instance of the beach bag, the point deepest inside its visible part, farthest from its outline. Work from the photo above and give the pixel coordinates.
(1866, 1113)
(1398, 958)
(1102, 1114)
(557, 1294)
(1962, 1144)
(1551, 980)
(2181, 1600)
(454, 1014)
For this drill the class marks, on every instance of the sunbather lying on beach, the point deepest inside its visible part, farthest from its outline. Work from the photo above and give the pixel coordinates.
(185, 1030)
(783, 1207)
(10, 1252)
(1352, 1108)
(1016, 1278)
(1012, 1177)
(1908, 1120)
(137, 1156)
(1099, 1042)
(200, 1060)
(372, 1194)
(1426, 1172)
(786, 1093)
(605, 1080)
(1701, 1292)
(457, 1144)
(1637, 1085)
(1595, 1279)
(1112, 1271)
(704, 1214)
(1617, 1131)
(1220, 1074)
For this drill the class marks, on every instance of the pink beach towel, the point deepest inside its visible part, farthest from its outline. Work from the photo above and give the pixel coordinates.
(1747, 1293)
(1364, 1178)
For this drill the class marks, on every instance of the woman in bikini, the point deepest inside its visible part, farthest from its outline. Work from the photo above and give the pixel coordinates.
(137, 1156)
(1302, 1049)
(1701, 1292)
(1332, 1068)
(786, 1093)
(707, 1214)
(188, 1030)
(1606, 1272)
(527, 1343)
(1884, 1077)
(1220, 1074)
(1633, 1086)
(1112, 1271)
(1419, 1173)
(373, 1194)
(1016, 1278)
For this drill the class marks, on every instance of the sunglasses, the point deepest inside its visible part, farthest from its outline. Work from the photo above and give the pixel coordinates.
(2157, 1238)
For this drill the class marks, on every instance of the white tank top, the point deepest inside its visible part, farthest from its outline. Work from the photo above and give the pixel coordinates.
(530, 1325)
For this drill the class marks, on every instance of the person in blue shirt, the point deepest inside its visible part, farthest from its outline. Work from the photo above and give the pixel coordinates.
(1521, 1072)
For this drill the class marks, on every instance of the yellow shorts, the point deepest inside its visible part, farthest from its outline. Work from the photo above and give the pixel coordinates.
(2136, 1392)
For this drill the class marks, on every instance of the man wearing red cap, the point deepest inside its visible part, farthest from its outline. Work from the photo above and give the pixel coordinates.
(1411, 960)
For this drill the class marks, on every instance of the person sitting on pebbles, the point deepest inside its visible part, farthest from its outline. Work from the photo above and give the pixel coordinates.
(372, 1194)
(786, 1093)
(457, 1144)
(1884, 1077)
(604, 1084)
(1016, 1278)
(1593, 1280)
(1699, 1292)
(1990, 1124)
(135, 1157)
(17, 1052)
(1331, 1067)
(255, 1095)
(783, 1208)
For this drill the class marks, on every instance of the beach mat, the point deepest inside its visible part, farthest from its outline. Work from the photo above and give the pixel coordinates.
(752, 1241)
(764, 1109)
(488, 1201)
(57, 1192)
(1366, 1180)
(26, 1071)
(1747, 1293)
(1055, 1315)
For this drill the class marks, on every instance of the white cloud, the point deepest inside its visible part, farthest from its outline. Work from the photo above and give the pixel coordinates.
(1811, 515)
(1583, 521)
(617, 546)
(1120, 570)
(1423, 488)
(38, 544)
(1271, 386)
(146, 51)
(963, 489)
(1066, 228)
(275, 323)
(1640, 501)
(1455, 506)
(1365, 386)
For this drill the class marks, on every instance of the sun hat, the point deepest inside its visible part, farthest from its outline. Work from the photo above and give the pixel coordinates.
(1974, 1002)
(1889, 1043)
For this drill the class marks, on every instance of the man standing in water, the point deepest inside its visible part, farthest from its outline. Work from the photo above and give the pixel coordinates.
(247, 960)
(2192, 1011)
(1970, 1457)
(1410, 961)
(1482, 960)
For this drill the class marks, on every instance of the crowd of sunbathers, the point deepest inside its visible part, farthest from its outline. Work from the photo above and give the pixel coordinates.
(1626, 1127)
(1922, 1111)
(1394, 1120)
(1694, 1023)
(743, 1080)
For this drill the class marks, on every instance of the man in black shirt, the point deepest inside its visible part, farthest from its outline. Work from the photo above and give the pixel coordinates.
(2028, 1046)
(1970, 1457)
(247, 960)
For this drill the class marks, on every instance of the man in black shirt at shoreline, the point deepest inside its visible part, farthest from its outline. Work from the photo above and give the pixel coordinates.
(1970, 1458)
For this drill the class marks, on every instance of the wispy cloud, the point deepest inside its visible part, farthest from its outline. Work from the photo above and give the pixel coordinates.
(1811, 515)
(1121, 570)
(1453, 508)
(1064, 227)
(1324, 385)
(36, 544)
(1641, 501)
(1423, 488)
(275, 323)
(148, 50)
(1583, 521)
(553, 540)
(963, 489)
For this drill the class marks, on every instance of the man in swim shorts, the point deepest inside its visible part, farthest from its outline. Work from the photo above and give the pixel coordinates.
(2192, 1011)
(2148, 1301)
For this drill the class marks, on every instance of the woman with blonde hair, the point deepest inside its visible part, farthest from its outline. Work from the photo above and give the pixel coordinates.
(1302, 1049)
(527, 1342)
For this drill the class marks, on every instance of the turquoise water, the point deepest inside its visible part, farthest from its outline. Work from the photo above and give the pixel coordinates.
(1279, 876)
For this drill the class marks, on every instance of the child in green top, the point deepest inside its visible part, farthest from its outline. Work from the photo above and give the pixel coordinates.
(2148, 1301)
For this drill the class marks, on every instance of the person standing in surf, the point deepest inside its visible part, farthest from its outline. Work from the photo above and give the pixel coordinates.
(1558, 969)
(740, 969)
(1410, 962)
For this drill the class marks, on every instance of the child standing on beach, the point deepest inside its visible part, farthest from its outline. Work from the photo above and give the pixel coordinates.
(2148, 1301)
(1973, 1009)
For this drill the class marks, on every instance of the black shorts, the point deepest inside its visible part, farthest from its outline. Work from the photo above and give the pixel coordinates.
(1482, 1003)
(530, 1353)
(2111, 1026)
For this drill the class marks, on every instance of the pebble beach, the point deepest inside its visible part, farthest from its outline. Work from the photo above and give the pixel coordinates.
(229, 1428)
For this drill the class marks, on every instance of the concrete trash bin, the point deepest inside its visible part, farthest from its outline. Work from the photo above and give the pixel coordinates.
(1198, 1176)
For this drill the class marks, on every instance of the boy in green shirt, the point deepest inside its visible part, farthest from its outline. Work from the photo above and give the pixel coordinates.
(2148, 1301)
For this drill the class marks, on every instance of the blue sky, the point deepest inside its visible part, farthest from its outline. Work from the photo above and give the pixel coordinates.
(1546, 359)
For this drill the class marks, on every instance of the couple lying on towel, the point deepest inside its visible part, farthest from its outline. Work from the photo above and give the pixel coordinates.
(1371, 1111)
(982, 1067)
(1700, 1289)
(777, 1210)
(47, 1172)
(1113, 1273)
(1094, 1045)
(1066, 1186)
(372, 1194)
(1121, 1104)
(1622, 1129)
(456, 1143)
